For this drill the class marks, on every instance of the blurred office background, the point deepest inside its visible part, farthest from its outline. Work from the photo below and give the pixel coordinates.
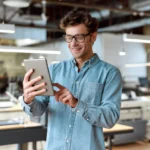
(30, 29)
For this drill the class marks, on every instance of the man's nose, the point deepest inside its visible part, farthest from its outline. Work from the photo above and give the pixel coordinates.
(73, 41)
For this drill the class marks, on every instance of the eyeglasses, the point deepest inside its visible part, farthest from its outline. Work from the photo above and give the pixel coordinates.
(79, 37)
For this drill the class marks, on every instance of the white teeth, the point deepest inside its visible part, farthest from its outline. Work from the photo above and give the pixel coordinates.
(75, 49)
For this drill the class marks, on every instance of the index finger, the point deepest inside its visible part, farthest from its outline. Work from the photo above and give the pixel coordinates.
(58, 85)
(27, 75)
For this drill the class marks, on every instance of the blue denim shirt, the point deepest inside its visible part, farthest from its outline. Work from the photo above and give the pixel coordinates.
(97, 86)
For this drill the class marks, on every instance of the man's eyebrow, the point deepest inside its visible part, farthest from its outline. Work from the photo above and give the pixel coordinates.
(69, 34)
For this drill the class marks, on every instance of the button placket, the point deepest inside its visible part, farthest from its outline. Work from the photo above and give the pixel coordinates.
(70, 130)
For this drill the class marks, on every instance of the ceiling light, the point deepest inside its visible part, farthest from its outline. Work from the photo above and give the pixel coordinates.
(136, 38)
(137, 65)
(28, 50)
(17, 3)
(140, 5)
(122, 53)
(141, 14)
(135, 13)
(7, 28)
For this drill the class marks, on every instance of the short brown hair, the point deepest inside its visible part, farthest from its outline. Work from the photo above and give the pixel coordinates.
(76, 17)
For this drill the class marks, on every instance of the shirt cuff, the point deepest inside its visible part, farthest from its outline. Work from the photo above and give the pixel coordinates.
(23, 104)
(80, 108)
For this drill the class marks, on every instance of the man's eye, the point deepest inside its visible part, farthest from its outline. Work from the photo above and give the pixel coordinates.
(79, 36)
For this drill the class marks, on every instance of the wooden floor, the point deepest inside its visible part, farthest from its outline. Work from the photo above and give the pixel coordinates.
(133, 146)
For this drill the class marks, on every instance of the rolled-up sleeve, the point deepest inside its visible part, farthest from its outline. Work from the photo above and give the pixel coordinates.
(37, 107)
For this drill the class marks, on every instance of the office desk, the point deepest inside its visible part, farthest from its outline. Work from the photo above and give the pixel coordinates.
(14, 108)
(117, 129)
(22, 133)
(15, 111)
(32, 132)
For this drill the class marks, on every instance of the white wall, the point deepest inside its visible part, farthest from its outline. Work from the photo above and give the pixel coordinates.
(98, 46)
(135, 53)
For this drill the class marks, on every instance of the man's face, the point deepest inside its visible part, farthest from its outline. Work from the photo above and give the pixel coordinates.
(80, 50)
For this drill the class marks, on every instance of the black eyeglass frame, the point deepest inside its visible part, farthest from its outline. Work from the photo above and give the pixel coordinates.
(74, 37)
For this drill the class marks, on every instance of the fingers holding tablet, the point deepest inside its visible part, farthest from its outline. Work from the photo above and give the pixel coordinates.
(31, 87)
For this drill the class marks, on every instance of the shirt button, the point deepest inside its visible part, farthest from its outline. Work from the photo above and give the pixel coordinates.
(67, 141)
(69, 126)
(87, 119)
(78, 111)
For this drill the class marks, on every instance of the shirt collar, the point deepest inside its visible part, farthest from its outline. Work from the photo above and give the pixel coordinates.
(93, 60)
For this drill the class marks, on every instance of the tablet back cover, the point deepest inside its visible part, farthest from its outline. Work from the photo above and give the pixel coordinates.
(40, 69)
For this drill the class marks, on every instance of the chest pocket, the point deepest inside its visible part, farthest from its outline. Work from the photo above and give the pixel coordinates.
(91, 92)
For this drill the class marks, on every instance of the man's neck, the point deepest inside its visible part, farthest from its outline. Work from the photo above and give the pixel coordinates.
(81, 61)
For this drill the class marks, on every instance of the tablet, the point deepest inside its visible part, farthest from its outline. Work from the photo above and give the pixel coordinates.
(40, 69)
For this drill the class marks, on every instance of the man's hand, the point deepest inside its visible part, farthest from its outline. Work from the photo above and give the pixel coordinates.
(30, 90)
(64, 96)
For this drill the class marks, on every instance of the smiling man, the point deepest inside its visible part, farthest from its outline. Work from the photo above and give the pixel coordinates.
(87, 95)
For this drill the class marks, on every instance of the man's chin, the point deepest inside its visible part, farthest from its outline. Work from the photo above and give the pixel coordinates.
(76, 56)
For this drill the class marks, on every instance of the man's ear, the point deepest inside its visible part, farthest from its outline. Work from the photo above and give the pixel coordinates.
(94, 36)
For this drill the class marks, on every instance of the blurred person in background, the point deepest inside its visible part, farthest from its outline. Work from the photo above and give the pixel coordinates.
(3, 78)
